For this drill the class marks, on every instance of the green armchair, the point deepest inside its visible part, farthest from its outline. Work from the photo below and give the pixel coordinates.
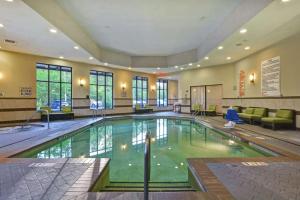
(212, 110)
(284, 118)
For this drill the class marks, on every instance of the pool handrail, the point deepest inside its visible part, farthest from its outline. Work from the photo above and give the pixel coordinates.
(147, 165)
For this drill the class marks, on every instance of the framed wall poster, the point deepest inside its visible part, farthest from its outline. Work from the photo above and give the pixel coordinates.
(270, 77)
(25, 91)
(242, 83)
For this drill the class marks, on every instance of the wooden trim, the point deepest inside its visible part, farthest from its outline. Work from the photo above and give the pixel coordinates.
(120, 98)
(80, 98)
(80, 107)
(18, 98)
(123, 106)
(282, 97)
(16, 109)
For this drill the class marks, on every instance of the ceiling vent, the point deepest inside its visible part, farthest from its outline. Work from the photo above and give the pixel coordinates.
(10, 41)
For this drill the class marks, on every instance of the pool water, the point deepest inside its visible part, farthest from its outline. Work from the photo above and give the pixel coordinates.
(173, 141)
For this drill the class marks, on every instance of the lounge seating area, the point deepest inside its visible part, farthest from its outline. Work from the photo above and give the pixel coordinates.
(139, 109)
(66, 113)
(283, 118)
(198, 110)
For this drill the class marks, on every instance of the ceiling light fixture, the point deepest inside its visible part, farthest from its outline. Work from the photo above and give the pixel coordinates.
(9, 0)
(285, 1)
(129, 68)
(190, 64)
(206, 58)
(52, 30)
(91, 58)
(1, 25)
(181, 68)
(76, 47)
(198, 65)
(228, 58)
(247, 48)
(61, 57)
(158, 68)
(176, 67)
(105, 64)
(220, 47)
(243, 31)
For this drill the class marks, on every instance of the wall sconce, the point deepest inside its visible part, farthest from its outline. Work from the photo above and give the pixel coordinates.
(123, 86)
(81, 82)
(252, 78)
(153, 88)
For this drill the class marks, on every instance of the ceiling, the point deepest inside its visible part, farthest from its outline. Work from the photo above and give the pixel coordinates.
(31, 33)
(148, 36)
(149, 28)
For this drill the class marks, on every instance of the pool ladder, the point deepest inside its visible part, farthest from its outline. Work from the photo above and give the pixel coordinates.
(147, 165)
(195, 114)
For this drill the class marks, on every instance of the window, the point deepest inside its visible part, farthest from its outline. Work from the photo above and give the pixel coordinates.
(54, 86)
(140, 90)
(101, 90)
(162, 92)
(101, 141)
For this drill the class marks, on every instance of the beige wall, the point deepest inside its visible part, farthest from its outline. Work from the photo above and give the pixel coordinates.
(288, 50)
(228, 75)
(223, 74)
(19, 70)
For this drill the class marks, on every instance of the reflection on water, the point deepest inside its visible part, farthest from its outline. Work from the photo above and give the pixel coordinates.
(123, 141)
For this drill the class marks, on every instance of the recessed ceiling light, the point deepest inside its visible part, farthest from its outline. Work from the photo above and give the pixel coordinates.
(61, 57)
(158, 68)
(52, 30)
(285, 1)
(91, 58)
(243, 31)
(181, 68)
(247, 48)
(76, 47)
(9, 0)
(1, 25)
(190, 64)
(206, 58)
(129, 67)
(176, 67)
(198, 65)
(220, 47)
(105, 64)
(228, 58)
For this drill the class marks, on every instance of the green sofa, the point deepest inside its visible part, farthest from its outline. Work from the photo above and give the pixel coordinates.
(66, 113)
(211, 111)
(253, 115)
(284, 118)
(139, 109)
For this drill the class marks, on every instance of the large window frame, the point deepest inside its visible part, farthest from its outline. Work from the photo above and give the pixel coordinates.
(50, 68)
(162, 93)
(97, 85)
(140, 90)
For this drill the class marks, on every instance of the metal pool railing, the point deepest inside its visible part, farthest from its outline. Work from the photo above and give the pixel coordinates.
(147, 165)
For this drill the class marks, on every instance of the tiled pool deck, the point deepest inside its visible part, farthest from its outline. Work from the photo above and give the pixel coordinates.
(226, 178)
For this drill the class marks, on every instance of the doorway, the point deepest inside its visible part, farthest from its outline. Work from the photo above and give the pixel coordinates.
(206, 95)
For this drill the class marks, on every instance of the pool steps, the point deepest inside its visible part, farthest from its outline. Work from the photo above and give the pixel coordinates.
(154, 187)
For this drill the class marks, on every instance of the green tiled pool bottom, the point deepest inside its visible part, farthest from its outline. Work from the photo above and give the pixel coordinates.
(173, 141)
